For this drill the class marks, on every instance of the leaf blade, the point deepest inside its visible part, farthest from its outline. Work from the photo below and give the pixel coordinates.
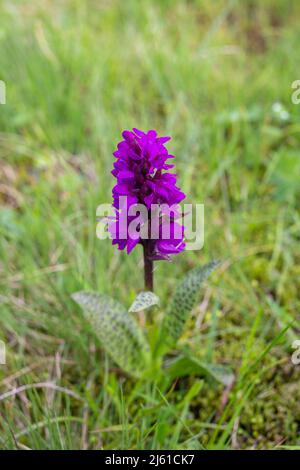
(119, 334)
(187, 365)
(144, 301)
(184, 300)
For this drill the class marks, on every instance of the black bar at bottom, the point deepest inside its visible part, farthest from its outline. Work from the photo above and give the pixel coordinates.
(152, 459)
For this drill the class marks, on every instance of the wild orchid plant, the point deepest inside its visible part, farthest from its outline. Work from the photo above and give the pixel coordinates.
(143, 179)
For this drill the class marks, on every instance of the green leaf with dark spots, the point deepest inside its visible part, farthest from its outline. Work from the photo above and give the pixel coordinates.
(143, 301)
(185, 298)
(119, 334)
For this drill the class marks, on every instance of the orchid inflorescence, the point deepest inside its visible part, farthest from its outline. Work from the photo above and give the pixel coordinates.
(141, 170)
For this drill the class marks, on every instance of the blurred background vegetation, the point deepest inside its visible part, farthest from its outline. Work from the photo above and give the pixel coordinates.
(217, 76)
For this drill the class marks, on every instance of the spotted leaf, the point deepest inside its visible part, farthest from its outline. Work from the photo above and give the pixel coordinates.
(185, 298)
(119, 334)
(143, 301)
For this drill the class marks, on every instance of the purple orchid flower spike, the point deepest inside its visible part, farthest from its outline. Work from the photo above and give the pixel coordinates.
(143, 178)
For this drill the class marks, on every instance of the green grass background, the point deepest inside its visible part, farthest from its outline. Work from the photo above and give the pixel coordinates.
(217, 76)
